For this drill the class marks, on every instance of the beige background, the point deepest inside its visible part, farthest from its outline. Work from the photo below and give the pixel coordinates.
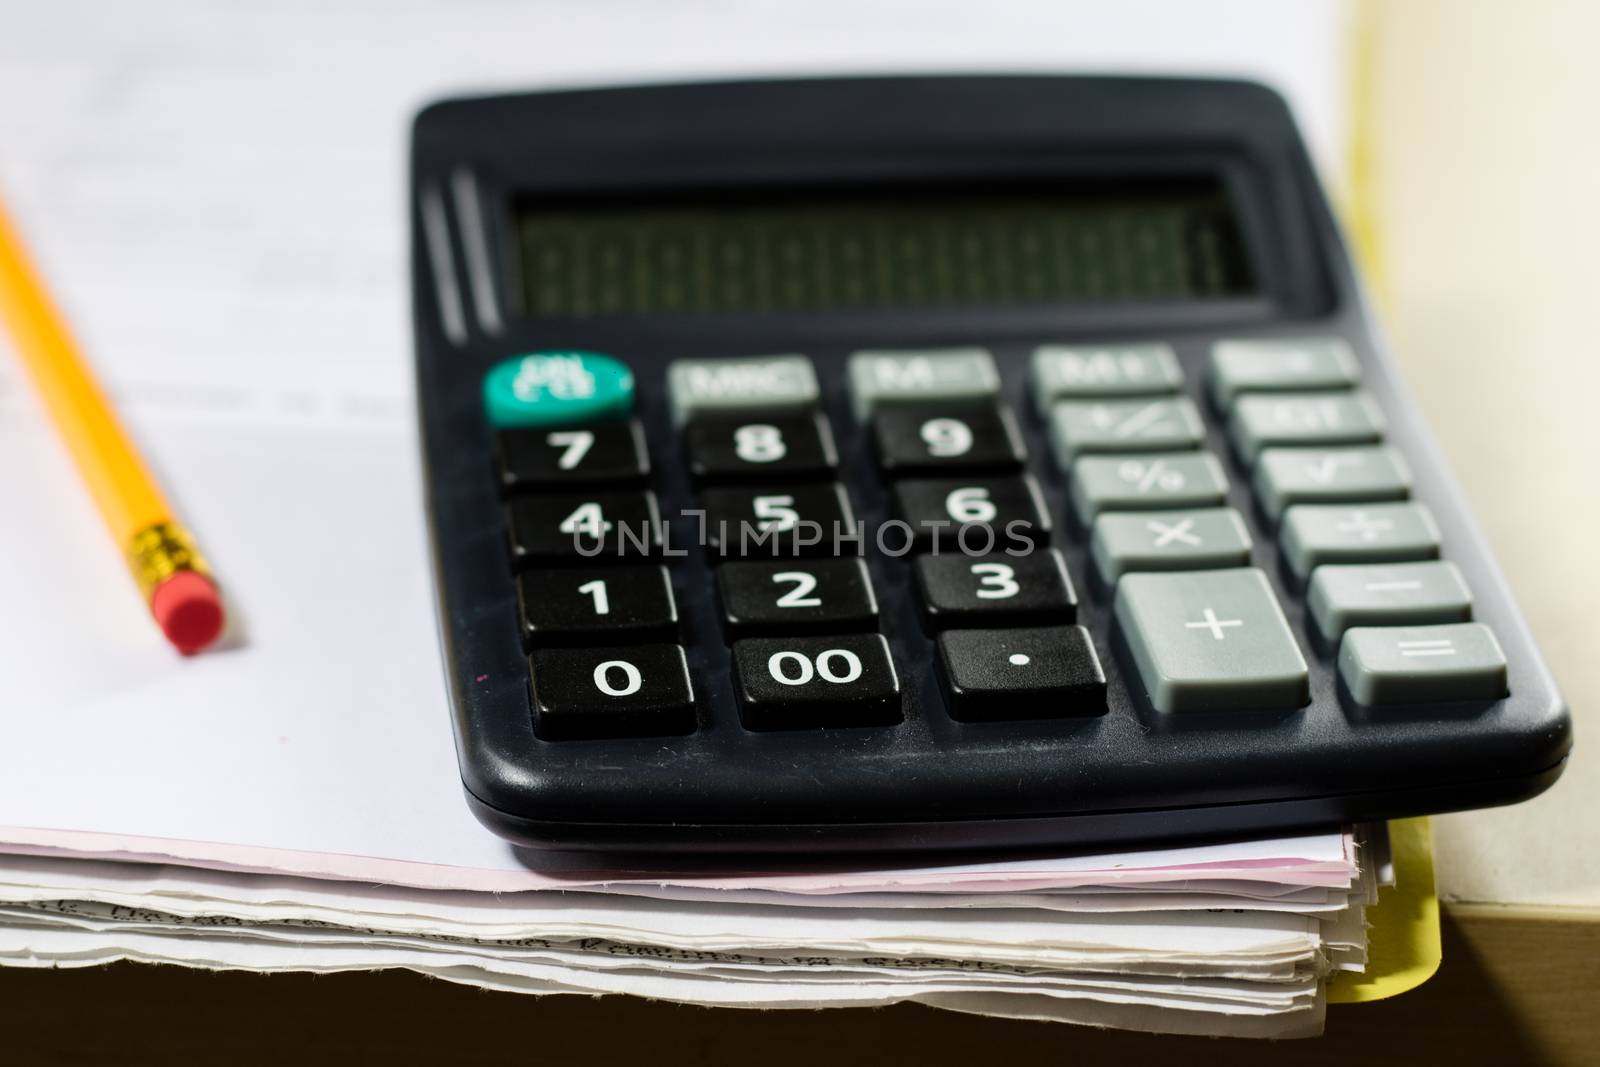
(1485, 190)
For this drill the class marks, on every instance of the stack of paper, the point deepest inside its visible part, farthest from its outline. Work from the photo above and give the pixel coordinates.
(1223, 939)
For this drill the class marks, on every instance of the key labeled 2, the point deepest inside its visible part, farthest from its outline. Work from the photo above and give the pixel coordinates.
(796, 683)
(596, 605)
(795, 596)
(947, 437)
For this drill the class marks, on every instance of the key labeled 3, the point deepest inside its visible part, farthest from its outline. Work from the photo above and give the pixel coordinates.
(994, 589)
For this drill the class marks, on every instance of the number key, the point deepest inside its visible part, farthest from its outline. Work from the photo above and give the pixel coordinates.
(789, 683)
(604, 452)
(593, 525)
(993, 590)
(794, 596)
(596, 605)
(583, 693)
(979, 514)
(800, 520)
(947, 437)
(786, 446)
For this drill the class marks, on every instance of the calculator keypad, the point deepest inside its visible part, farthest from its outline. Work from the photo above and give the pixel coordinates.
(1367, 557)
(1203, 629)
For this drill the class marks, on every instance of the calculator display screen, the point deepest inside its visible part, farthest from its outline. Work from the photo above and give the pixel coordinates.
(902, 248)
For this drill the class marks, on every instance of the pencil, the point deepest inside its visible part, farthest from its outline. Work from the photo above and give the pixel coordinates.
(168, 569)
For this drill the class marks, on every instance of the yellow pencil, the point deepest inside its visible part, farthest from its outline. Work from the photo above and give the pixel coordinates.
(171, 575)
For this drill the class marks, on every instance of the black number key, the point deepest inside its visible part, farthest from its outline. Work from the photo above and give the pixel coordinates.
(796, 596)
(638, 691)
(958, 437)
(761, 448)
(777, 522)
(600, 525)
(596, 605)
(604, 452)
(1037, 673)
(793, 683)
(994, 589)
(979, 514)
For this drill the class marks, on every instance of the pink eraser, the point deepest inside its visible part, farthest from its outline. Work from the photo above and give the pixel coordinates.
(188, 608)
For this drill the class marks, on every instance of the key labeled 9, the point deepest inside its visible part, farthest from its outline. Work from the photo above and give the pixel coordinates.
(947, 437)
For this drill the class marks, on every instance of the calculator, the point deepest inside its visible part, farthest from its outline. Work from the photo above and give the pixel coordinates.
(926, 463)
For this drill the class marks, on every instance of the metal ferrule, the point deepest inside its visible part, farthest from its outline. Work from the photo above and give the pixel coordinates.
(160, 551)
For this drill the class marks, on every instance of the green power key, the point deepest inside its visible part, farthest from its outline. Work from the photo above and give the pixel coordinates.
(557, 388)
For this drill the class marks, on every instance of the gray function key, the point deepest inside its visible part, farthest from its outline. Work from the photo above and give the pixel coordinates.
(1143, 482)
(739, 385)
(1279, 365)
(920, 377)
(1288, 476)
(1422, 664)
(1211, 640)
(1063, 372)
(1314, 534)
(1268, 420)
(1157, 424)
(1199, 539)
(1395, 594)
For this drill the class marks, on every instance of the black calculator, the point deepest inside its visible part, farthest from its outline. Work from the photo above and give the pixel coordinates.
(935, 463)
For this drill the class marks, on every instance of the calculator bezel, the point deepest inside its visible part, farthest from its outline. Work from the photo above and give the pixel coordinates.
(1017, 784)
